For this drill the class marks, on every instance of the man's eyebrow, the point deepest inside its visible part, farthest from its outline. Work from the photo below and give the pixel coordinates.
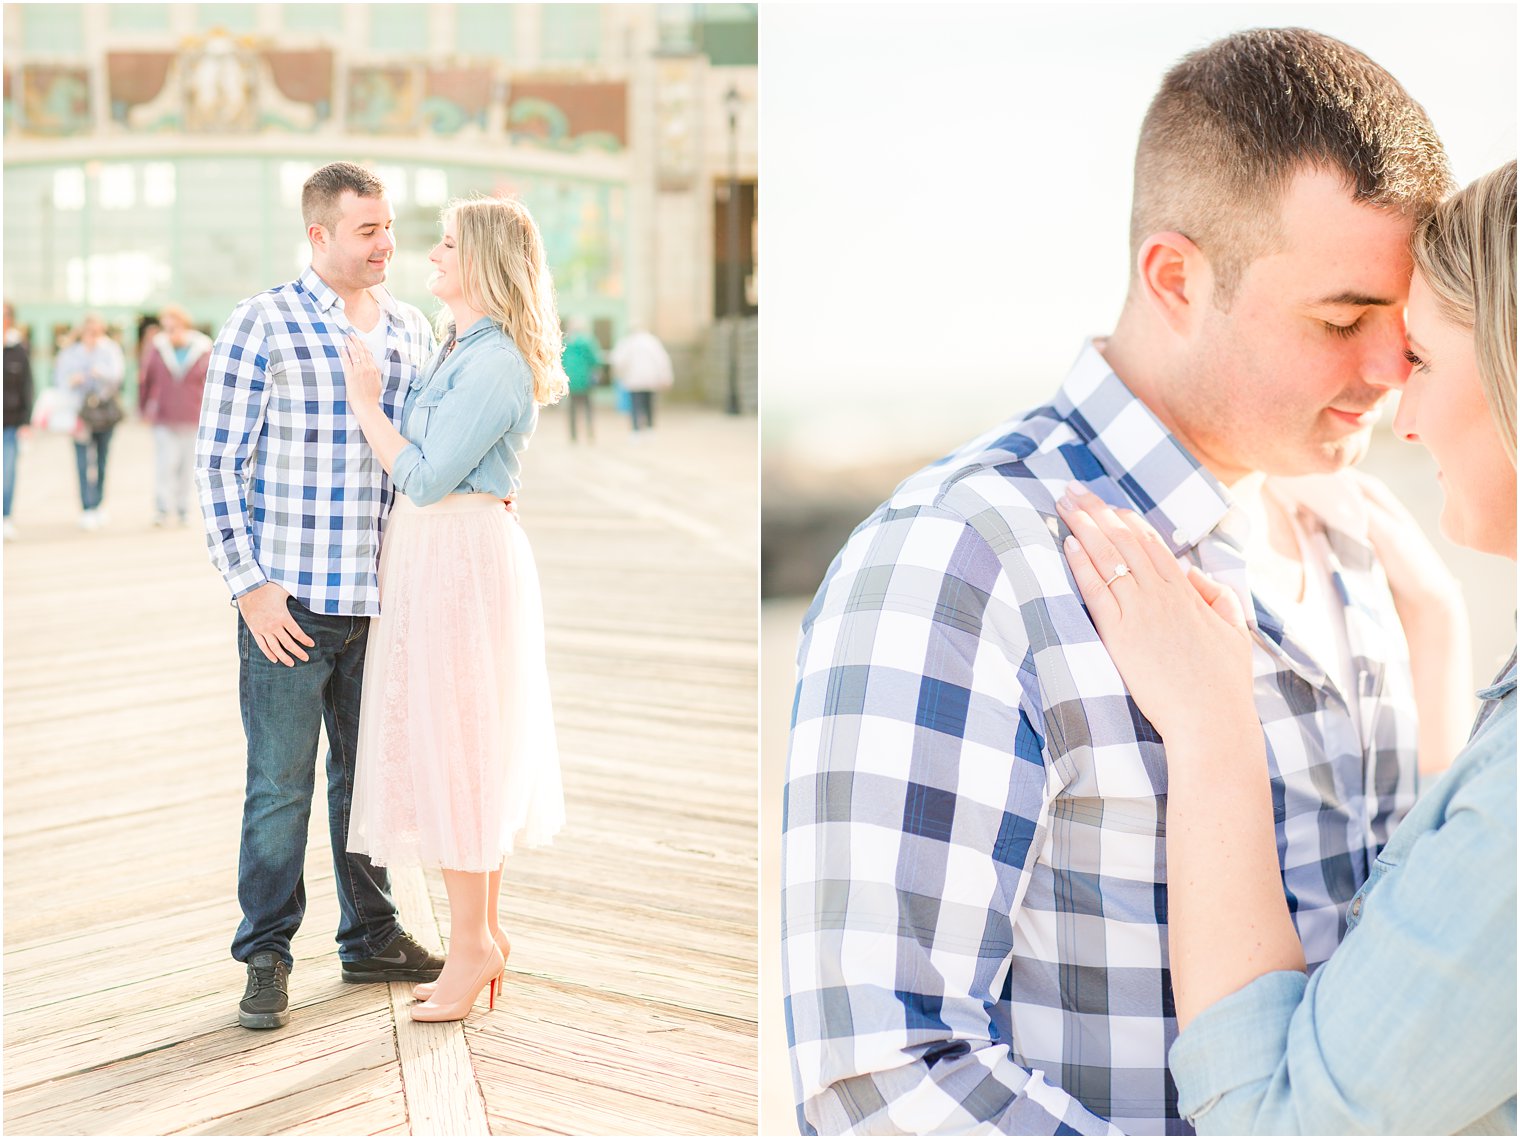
(1360, 300)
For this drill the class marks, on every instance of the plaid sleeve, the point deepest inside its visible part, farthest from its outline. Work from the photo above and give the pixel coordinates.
(232, 417)
(916, 799)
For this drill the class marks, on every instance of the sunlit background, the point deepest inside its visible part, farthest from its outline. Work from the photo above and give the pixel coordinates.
(156, 152)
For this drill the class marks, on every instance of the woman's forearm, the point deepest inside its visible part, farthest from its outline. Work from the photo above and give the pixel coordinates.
(1227, 916)
(380, 433)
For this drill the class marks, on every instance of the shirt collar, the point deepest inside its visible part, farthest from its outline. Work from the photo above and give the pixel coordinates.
(1167, 485)
(1503, 685)
(476, 329)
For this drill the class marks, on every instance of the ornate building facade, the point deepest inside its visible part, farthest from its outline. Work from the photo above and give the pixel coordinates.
(155, 152)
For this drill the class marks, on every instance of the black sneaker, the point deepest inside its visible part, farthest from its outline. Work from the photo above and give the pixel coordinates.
(266, 1001)
(402, 960)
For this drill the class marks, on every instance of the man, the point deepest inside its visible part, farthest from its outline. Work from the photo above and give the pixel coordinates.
(293, 501)
(975, 884)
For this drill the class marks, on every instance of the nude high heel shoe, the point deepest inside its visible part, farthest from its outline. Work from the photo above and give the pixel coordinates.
(489, 974)
(425, 990)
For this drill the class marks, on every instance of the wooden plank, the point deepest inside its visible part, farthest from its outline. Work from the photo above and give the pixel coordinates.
(441, 1093)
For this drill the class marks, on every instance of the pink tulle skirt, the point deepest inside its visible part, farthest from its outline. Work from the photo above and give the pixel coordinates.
(457, 760)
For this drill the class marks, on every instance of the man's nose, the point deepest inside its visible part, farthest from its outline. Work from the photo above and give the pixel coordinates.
(387, 242)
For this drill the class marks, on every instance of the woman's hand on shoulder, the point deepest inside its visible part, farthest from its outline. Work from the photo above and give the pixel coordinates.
(1178, 638)
(361, 375)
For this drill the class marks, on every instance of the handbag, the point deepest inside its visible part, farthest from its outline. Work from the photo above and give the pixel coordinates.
(53, 412)
(100, 412)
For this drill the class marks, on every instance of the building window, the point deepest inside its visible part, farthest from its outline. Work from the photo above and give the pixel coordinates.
(68, 188)
(398, 28)
(432, 186)
(675, 28)
(729, 34)
(139, 17)
(158, 184)
(313, 17)
(232, 17)
(52, 29)
(394, 180)
(113, 278)
(484, 29)
(293, 177)
(116, 189)
(572, 32)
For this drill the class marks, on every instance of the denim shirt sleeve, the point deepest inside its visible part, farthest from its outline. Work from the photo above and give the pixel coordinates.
(1409, 1028)
(492, 394)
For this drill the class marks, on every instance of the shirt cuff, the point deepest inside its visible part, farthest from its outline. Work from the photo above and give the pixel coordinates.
(404, 464)
(244, 578)
(1239, 1040)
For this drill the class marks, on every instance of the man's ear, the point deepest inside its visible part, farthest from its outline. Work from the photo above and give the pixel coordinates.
(1176, 280)
(317, 235)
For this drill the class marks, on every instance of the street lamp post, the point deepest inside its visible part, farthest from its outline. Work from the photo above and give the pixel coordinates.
(731, 101)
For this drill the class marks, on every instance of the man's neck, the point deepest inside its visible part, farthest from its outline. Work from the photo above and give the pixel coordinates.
(358, 304)
(1134, 363)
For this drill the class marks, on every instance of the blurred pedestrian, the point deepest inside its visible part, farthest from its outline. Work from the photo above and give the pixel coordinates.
(169, 392)
(582, 357)
(18, 404)
(642, 366)
(92, 366)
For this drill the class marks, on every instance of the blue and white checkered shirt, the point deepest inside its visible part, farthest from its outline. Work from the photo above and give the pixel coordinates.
(290, 491)
(974, 871)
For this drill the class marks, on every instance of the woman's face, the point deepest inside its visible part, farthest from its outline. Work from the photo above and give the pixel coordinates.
(1443, 408)
(445, 284)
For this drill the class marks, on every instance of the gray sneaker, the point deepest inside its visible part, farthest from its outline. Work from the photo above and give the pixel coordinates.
(402, 960)
(266, 1000)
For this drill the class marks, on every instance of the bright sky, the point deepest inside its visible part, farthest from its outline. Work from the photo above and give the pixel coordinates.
(947, 191)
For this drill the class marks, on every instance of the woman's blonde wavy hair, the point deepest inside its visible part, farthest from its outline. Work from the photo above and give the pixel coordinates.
(505, 276)
(1465, 251)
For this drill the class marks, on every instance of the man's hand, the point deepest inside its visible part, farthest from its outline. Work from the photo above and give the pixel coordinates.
(274, 630)
(511, 504)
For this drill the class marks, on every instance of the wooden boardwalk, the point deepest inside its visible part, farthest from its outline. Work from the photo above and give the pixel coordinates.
(630, 1003)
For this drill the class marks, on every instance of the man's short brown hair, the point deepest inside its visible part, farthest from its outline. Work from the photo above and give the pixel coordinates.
(320, 194)
(1235, 121)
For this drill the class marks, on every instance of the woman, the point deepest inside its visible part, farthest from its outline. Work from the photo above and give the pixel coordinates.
(92, 365)
(1410, 1027)
(169, 392)
(457, 761)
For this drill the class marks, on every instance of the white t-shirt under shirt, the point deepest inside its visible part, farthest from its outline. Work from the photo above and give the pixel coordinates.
(1316, 619)
(374, 339)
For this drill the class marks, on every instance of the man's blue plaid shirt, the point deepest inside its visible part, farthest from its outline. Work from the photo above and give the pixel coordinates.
(974, 859)
(290, 491)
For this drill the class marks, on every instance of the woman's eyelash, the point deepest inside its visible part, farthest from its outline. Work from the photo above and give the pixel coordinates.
(1415, 362)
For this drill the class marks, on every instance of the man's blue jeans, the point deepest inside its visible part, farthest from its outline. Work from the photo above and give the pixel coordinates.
(282, 709)
(10, 467)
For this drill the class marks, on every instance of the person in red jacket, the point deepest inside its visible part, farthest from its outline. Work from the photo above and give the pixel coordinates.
(169, 396)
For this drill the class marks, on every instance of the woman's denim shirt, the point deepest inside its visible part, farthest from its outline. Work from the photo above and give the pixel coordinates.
(1409, 1028)
(468, 417)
